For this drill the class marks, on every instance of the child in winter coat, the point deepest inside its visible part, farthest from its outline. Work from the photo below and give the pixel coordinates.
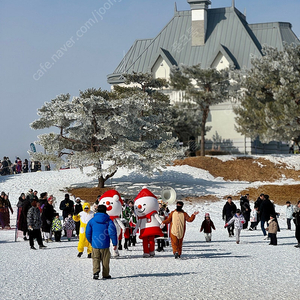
(289, 214)
(69, 226)
(238, 221)
(253, 219)
(272, 230)
(56, 227)
(207, 225)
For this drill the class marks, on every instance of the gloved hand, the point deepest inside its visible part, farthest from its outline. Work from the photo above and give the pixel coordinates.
(162, 225)
(242, 222)
(48, 222)
(226, 225)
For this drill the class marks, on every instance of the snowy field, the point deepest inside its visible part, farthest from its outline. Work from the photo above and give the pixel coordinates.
(220, 269)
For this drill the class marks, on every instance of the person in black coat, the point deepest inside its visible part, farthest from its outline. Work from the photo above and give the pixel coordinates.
(67, 206)
(43, 199)
(296, 216)
(47, 218)
(257, 204)
(34, 225)
(25, 166)
(23, 207)
(266, 209)
(229, 210)
(77, 209)
(245, 209)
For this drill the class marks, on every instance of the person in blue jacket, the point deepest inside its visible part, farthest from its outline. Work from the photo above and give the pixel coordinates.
(99, 231)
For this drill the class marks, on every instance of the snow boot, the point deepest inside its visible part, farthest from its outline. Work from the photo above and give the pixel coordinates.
(33, 248)
(133, 240)
(176, 255)
(120, 245)
(89, 255)
(79, 254)
(96, 276)
(125, 244)
(42, 246)
(298, 246)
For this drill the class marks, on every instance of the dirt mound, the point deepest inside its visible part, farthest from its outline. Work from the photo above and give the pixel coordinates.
(279, 193)
(240, 169)
(251, 170)
(88, 194)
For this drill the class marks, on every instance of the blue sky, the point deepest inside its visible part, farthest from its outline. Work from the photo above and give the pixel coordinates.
(48, 48)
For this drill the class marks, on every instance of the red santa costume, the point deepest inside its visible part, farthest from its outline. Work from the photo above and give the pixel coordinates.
(146, 207)
(113, 202)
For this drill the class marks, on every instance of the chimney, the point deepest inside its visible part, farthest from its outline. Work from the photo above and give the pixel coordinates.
(199, 20)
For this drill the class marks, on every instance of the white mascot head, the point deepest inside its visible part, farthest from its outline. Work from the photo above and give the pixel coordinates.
(145, 203)
(113, 202)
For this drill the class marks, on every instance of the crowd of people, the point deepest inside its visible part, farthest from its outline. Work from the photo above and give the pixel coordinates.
(39, 220)
(7, 167)
(263, 213)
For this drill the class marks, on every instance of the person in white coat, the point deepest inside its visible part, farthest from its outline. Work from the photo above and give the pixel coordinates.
(289, 214)
(238, 221)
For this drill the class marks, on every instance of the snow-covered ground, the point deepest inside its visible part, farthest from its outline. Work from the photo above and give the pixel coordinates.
(220, 269)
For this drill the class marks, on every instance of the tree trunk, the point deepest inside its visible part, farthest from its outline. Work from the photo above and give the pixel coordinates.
(101, 179)
(203, 132)
(101, 182)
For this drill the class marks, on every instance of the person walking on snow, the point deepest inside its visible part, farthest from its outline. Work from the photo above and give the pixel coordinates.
(229, 210)
(207, 225)
(296, 216)
(272, 230)
(238, 221)
(34, 223)
(148, 220)
(289, 214)
(99, 231)
(69, 226)
(177, 220)
(56, 227)
(84, 217)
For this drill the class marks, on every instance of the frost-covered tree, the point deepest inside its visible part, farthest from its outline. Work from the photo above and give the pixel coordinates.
(204, 87)
(92, 129)
(186, 120)
(269, 105)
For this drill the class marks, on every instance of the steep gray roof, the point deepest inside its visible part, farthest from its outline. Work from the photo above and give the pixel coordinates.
(274, 34)
(227, 32)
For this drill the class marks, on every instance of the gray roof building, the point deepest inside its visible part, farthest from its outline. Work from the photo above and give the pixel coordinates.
(199, 36)
(214, 38)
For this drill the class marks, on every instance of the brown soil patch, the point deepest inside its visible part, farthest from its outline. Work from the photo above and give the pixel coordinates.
(251, 170)
(279, 193)
(242, 168)
(201, 199)
(88, 194)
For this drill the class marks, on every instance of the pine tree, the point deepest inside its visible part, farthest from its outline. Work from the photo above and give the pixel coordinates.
(186, 120)
(269, 102)
(125, 131)
(204, 87)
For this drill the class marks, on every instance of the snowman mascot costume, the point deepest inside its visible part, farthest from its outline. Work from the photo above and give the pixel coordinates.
(113, 202)
(146, 207)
